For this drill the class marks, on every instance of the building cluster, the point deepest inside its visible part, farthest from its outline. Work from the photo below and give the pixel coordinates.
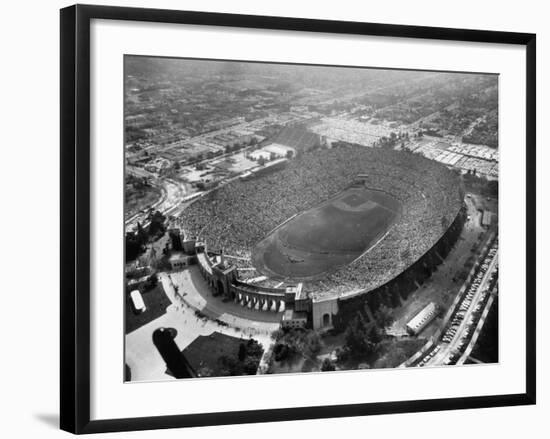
(347, 129)
(478, 159)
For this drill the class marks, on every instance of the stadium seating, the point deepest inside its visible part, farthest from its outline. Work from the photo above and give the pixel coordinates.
(238, 215)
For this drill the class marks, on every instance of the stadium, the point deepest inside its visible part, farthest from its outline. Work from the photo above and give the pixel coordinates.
(343, 223)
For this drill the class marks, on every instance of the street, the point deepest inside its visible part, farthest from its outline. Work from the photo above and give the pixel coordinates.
(456, 336)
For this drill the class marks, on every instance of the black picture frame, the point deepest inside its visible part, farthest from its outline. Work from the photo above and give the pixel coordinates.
(75, 217)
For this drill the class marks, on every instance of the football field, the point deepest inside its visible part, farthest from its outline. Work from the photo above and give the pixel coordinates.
(327, 236)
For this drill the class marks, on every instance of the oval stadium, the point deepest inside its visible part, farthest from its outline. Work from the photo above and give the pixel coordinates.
(333, 226)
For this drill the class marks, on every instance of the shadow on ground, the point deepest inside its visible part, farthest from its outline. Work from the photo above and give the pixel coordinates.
(49, 419)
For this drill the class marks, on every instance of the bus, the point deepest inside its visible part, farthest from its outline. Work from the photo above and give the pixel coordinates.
(422, 319)
(137, 302)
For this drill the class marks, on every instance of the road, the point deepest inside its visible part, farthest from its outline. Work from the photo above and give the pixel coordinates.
(446, 350)
(173, 194)
(477, 331)
(176, 195)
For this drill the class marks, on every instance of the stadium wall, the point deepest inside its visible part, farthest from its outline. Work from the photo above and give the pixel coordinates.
(222, 279)
(323, 312)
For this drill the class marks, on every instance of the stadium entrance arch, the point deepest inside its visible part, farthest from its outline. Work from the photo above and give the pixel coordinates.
(322, 312)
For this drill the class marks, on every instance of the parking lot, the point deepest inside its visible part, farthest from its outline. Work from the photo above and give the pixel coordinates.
(464, 319)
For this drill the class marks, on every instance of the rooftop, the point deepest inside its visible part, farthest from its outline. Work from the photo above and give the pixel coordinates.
(290, 314)
(175, 256)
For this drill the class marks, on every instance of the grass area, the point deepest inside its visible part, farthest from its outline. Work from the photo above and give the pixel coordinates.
(328, 235)
(156, 303)
(291, 365)
(296, 364)
(218, 354)
(331, 341)
(391, 353)
(296, 350)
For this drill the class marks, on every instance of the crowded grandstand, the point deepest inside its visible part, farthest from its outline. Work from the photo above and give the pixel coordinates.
(236, 216)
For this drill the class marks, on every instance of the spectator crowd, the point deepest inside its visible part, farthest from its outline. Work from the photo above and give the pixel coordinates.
(237, 216)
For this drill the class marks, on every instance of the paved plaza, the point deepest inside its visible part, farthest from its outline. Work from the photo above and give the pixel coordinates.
(142, 356)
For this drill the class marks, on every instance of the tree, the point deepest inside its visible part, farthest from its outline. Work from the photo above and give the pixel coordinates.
(357, 339)
(289, 154)
(327, 365)
(392, 358)
(383, 317)
(277, 334)
(374, 300)
(313, 342)
(141, 234)
(385, 296)
(492, 188)
(151, 282)
(254, 349)
(205, 371)
(394, 296)
(261, 160)
(297, 341)
(281, 351)
(133, 245)
(242, 352)
(175, 239)
(342, 355)
(229, 366)
(376, 335)
(157, 228)
(251, 366)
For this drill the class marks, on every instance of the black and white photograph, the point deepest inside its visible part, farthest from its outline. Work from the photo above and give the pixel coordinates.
(298, 218)
(272, 220)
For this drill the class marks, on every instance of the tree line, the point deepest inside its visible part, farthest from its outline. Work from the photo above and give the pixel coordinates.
(136, 241)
